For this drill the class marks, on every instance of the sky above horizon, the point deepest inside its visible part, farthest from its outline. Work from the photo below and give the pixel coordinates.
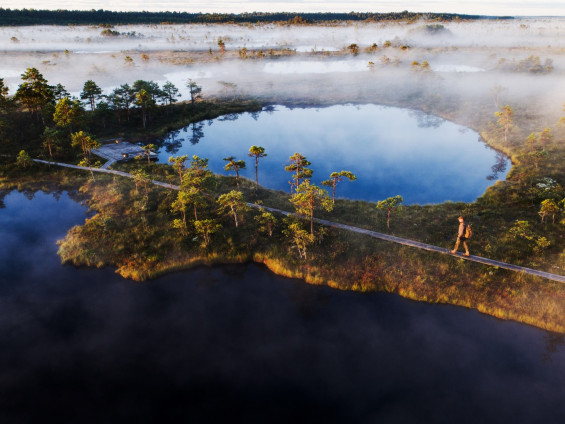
(475, 7)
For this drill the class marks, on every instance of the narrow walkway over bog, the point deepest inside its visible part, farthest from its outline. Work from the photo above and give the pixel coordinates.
(374, 234)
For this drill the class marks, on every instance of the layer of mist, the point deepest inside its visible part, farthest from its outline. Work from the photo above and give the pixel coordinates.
(533, 32)
(465, 58)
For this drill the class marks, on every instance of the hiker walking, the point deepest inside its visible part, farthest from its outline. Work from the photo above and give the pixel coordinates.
(461, 237)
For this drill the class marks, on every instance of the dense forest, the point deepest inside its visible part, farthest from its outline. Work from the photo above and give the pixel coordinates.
(101, 17)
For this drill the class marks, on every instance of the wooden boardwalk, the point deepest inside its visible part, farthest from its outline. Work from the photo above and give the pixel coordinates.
(104, 171)
(374, 234)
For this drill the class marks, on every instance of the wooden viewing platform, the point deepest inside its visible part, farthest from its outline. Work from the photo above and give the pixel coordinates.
(120, 150)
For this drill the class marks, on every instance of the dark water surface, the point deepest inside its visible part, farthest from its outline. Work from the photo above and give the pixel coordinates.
(238, 344)
(392, 151)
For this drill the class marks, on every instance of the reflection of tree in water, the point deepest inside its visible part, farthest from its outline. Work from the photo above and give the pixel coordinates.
(269, 109)
(553, 341)
(3, 194)
(255, 115)
(30, 194)
(229, 117)
(425, 120)
(498, 168)
(196, 132)
(172, 142)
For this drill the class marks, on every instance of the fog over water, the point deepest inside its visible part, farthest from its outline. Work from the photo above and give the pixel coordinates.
(178, 52)
(311, 63)
(467, 61)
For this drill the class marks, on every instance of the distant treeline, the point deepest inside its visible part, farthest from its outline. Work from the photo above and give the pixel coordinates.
(13, 17)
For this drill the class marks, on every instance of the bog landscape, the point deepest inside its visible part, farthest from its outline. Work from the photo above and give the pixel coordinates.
(158, 179)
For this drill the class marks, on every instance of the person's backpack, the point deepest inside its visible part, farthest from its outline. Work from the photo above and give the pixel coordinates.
(468, 231)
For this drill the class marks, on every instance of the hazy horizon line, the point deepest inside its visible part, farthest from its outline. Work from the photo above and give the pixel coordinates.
(320, 12)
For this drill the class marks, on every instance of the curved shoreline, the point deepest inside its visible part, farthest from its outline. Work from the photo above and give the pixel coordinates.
(277, 267)
(416, 136)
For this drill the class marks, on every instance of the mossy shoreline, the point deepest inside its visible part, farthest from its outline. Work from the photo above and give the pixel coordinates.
(500, 307)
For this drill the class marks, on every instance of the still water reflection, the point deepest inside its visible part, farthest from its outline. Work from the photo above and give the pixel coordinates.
(392, 151)
(238, 344)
